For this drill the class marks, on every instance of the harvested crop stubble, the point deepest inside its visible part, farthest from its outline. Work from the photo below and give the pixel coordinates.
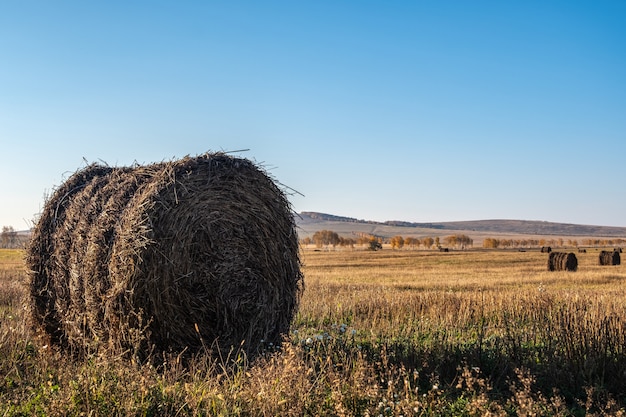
(562, 261)
(168, 257)
(609, 257)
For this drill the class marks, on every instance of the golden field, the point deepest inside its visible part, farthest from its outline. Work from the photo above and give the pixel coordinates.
(464, 333)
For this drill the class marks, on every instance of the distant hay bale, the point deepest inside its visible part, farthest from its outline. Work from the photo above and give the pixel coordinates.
(562, 261)
(546, 249)
(168, 257)
(609, 257)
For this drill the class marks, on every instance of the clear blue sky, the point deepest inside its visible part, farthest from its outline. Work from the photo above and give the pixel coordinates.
(380, 110)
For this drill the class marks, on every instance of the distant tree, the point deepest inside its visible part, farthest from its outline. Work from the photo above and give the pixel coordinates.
(428, 242)
(306, 241)
(491, 243)
(8, 237)
(460, 241)
(318, 239)
(465, 241)
(397, 242)
(412, 242)
(450, 240)
(346, 242)
(333, 239)
(505, 243)
(325, 238)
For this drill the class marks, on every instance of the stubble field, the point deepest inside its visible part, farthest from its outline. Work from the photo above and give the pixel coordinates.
(378, 333)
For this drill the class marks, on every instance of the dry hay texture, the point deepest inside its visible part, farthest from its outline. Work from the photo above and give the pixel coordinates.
(169, 257)
(562, 261)
(609, 257)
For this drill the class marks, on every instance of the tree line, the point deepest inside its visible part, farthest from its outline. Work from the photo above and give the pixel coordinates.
(328, 238)
(493, 243)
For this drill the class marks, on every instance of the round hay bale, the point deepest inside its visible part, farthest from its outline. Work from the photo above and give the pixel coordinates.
(562, 261)
(177, 256)
(609, 257)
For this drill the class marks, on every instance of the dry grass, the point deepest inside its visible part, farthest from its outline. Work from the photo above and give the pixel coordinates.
(11, 259)
(378, 333)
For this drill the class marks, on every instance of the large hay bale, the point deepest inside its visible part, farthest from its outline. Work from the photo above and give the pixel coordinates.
(169, 257)
(609, 257)
(562, 261)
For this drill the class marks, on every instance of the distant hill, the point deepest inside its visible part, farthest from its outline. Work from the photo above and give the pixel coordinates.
(310, 222)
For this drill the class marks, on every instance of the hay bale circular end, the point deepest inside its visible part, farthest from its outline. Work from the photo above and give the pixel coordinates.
(176, 256)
